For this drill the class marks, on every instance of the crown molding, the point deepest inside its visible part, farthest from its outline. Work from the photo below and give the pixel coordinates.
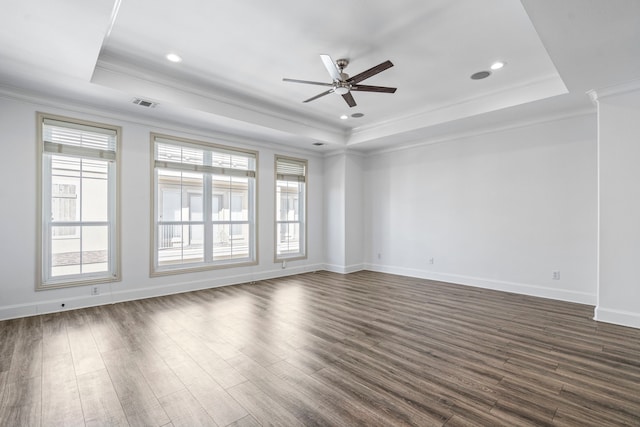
(416, 143)
(346, 151)
(534, 90)
(196, 132)
(614, 90)
(220, 101)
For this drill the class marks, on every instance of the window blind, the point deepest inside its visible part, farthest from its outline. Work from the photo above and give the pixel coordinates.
(177, 155)
(290, 170)
(78, 140)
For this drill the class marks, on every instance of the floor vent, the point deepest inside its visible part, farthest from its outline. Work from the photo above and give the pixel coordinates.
(144, 103)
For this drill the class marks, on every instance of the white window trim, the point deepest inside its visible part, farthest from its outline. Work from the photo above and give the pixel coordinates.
(303, 218)
(43, 281)
(154, 269)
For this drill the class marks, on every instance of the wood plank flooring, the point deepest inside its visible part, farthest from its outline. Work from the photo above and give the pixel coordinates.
(322, 349)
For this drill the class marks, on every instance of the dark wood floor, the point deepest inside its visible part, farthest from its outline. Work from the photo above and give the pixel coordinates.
(322, 349)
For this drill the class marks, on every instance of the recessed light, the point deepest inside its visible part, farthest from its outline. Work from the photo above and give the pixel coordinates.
(480, 75)
(357, 115)
(173, 57)
(344, 117)
(497, 65)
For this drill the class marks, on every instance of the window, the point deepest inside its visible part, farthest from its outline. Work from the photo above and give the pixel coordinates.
(78, 228)
(203, 206)
(290, 208)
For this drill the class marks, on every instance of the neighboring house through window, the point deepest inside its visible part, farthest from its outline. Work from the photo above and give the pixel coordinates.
(291, 229)
(204, 205)
(79, 201)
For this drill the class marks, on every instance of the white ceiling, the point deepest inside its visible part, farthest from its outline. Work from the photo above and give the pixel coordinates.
(104, 53)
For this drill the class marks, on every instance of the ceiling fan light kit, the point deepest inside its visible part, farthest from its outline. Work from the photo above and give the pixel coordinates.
(341, 90)
(343, 84)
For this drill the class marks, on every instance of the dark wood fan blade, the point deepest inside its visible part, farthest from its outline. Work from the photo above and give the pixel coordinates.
(365, 88)
(349, 98)
(319, 95)
(307, 82)
(370, 72)
(331, 67)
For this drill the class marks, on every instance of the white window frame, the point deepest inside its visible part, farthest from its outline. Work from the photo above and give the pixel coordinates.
(46, 150)
(208, 171)
(292, 169)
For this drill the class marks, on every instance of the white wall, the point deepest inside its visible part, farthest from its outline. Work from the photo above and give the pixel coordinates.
(344, 214)
(18, 216)
(619, 193)
(354, 213)
(334, 212)
(501, 210)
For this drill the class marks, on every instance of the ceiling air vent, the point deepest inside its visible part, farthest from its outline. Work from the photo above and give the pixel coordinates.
(144, 103)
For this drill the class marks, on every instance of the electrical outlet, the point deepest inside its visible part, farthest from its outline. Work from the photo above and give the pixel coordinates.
(555, 275)
(431, 260)
(379, 255)
(95, 290)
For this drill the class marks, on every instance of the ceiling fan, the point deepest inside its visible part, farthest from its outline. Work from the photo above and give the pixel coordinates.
(343, 84)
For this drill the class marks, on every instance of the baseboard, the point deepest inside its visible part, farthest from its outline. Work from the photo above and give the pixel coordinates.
(51, 306)
(617, 317)
(343, 269)
(56, 305)
(498, 285)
